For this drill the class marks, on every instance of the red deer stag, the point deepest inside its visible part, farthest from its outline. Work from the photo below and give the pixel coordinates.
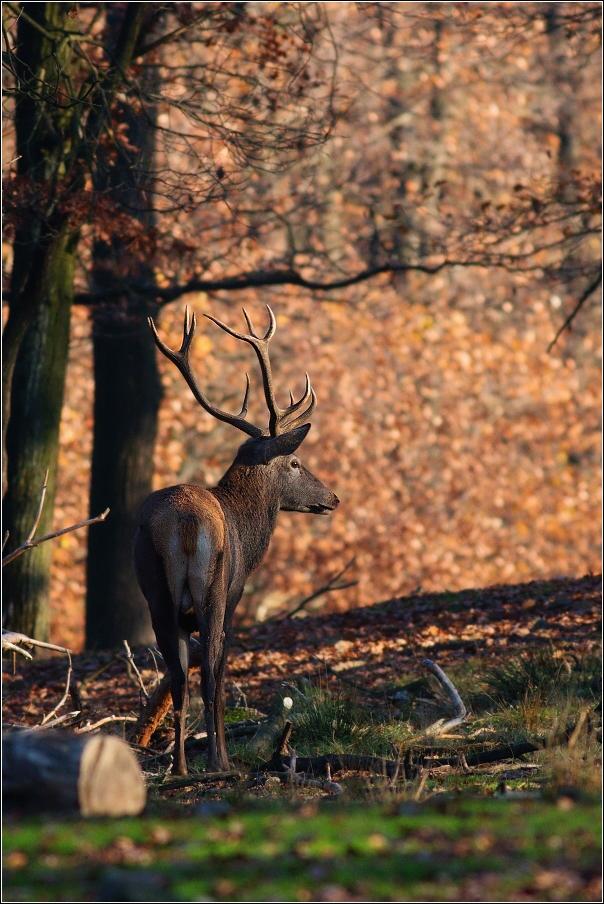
(195, 547)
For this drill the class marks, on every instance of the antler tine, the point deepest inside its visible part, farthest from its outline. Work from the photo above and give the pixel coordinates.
(272, 327)
(303, 417)
(250, 325)
(181, 360)
(295, 406)
(243, 411)
(260, 346)
(279, 418)
(188, 330)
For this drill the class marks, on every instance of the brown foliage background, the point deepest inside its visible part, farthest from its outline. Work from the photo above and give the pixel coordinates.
(464, 453)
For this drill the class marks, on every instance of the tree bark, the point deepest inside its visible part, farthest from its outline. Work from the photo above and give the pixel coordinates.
(43, 66)
(127, 394)
(32, 442)
(97, 775)
(54, 133)
(126, 403)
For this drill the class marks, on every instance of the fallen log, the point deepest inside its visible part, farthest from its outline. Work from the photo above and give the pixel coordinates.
(97, 775)
(417, 760)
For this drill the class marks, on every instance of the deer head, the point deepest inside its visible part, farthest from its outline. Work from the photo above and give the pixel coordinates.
(274, 447)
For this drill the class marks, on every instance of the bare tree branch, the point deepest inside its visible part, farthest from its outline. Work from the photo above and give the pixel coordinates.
(440, 726)
(327, 588)
(54, 711)
(578, 305)
(11, 639)
(130, 659)
(31, 544)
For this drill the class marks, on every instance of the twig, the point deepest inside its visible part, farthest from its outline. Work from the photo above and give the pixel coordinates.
(303, 782)
(327, 588)
(398, 761)
(148, 751)
(424, 773)
(583, 298)
(339, 762)
(97, 672)
(239, 730)
(201, 779)
(130, 659)
(359, 687)
(296, 690)
(30, 544)
(513, 751)
(242, 695)
(6, 645)
(53, 712)
(40, 507)
(576, 732)
(440, 726)
(44, 726)
(86, 728)
(10, 639)
(157, 675)
(292, 776)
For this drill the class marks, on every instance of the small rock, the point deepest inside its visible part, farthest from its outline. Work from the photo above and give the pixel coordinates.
(131, 885)
(212, 808)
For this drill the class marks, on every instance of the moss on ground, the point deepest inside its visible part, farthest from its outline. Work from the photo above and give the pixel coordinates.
(452, 849)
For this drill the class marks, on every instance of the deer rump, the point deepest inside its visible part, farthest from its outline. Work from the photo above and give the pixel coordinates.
(184, 534)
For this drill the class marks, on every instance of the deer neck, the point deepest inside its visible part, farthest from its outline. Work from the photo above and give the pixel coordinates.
(251, 505)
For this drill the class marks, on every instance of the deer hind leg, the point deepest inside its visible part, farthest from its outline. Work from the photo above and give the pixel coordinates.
(210, 617)
(219, 700)
(173, 642)
(210, 632)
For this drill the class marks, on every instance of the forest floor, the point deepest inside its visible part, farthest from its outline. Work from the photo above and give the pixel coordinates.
(526, 661)
(374, 646)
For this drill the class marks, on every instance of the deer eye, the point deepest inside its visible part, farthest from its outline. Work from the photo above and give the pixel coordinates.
(295, 464)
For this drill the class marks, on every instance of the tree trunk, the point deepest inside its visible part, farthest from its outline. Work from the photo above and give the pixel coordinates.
(126, 403)
(97, 775)
(51, 133)
(45, 154)
(32, 442)
(127, 394)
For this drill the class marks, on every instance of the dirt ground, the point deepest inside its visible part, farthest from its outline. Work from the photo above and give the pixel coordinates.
(371, 648)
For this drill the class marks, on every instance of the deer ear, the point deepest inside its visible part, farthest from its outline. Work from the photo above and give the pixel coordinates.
(286, 444)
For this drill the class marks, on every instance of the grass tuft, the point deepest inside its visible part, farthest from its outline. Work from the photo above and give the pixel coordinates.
(334, 722)
(542, 676)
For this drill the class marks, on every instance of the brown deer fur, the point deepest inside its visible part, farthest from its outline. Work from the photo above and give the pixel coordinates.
(196, 547)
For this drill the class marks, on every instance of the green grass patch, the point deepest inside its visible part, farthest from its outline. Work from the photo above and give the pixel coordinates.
(297, 853)
(328, 721)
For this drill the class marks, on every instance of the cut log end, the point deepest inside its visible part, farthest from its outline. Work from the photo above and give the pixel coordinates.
(110, 782)
(98, 775)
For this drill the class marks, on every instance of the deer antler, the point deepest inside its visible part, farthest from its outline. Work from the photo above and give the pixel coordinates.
(181, 360)
(280, 419)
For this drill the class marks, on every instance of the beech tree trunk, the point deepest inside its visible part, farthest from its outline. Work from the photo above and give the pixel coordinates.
(36, 336)
(126, 403)
(126, 396)
(97, 775)
(32, 443)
